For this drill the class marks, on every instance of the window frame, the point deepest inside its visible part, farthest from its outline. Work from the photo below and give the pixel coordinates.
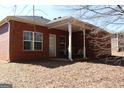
(38, 41)
(33, 41)
(121, 49)
(28, 41)
(120, 43)
(114, 36)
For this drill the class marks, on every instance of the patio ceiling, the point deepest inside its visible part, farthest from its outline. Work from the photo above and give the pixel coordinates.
(62, 24)
(65, 27)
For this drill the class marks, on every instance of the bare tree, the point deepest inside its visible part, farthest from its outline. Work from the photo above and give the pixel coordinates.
(103, 15)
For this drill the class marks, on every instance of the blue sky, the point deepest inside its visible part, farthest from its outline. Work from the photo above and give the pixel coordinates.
(47, 11)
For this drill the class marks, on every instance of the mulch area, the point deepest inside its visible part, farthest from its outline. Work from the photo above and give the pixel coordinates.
(52, 74)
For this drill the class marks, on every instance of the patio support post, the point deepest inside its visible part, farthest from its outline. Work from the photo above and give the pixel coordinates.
(70, 42)
(84, 43)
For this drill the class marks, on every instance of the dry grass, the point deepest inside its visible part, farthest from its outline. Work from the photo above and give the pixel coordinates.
(71, 75)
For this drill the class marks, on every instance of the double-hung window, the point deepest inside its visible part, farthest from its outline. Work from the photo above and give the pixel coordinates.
(33, 41)
(38, 41)
(28, 40)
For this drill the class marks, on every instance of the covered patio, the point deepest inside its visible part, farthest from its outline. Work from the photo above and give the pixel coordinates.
(71, 25)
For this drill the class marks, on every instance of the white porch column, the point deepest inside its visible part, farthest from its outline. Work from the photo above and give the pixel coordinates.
(70, 42)
(84, 43)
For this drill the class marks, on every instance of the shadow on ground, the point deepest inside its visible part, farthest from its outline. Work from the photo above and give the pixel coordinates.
(47, 63)
(109, 62)
(57, 63)
(5, 85)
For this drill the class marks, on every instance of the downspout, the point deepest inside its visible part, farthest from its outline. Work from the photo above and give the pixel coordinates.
(84, 43)
(9, 32)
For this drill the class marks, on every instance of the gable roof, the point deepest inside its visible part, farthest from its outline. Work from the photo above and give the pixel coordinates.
(64, 20)
(27, 19)
(46, 22)
(37, 19)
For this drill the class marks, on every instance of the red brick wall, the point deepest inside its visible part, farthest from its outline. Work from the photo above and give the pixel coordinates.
(103, 48)
(16, 40)
(77, 41)
(15, 51)
(91, 52)
(4, 42)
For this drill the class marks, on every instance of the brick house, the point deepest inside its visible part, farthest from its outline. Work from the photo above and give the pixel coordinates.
(33, 38)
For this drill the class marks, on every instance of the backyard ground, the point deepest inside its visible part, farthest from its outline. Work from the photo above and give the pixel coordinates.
(55, 74)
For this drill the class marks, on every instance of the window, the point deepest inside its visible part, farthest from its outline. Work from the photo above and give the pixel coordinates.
(62, 42)
(121, 36)
(114, 36)
(38, 41)
(62, 45)
(33, 40)
(121, 49)
(28, 40)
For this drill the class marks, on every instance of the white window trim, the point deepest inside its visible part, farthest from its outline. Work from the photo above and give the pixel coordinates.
(33, 41)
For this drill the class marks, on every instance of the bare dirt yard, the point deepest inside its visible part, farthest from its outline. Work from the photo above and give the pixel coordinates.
(54, 74)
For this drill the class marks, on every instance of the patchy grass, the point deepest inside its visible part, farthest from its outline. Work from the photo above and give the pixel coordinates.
(55, 74)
